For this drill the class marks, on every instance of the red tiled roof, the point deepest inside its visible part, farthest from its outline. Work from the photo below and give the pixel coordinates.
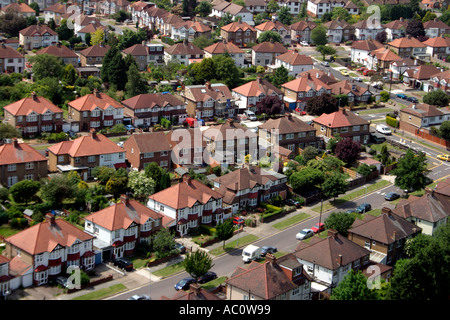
(295, 59)
(235, 26)
(27, 105)
(407, 42)
(45, 236)
(20, 153)
(37, 30)
(221, 48)
(59, 51)
(8, 52)
(256, 88)
(95, 51)
(267, 46)
(341, 118)
(94, 100)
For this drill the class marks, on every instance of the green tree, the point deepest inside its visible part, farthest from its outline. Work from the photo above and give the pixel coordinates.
(164, 243)
(70, 75)
(270, 35)
(98, 37)
(224, 231)
(325, 51)
(140, 184)
(203, 9)
(340, 221)
(444, 130)
(155, 172)
(437, 98)
(411, 171)
(103, 174)
(225, 69)
(63, 31)
(46, 66)
(197, 263)
(7, 131)
(203, 71)
(340, 13)
(354, 287)
(165, 181)
(24, 191)
(280, 76)
(334, 184)
(273, 6)
(136, 84)
(306, 179)
(57, 189)
(285, 16)
(11, 22)
(319, 35)
(202, 41)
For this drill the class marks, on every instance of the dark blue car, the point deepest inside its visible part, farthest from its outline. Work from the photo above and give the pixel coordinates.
(402, 96)
(184, 284)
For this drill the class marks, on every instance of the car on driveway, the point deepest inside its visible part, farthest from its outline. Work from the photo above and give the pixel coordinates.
(361, 69)
(304, 234)
(391, 196)
(267, 249)
(304, 43)
(412, 99)
(129, 127)
(363, 208)
(369, 72)
(179, 247)
(345, 73)
(318, 227)
(325, 64)
(444, 157)
(238, 221)
(401, 96)
(293, 202)
(208, 276)
(62, 281)
(359, 79)
(350, 211)
(124, 263)
(184, 284)
(384, 129)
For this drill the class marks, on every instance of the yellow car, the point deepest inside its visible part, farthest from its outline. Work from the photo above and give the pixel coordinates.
(344, 73)
(444, 157)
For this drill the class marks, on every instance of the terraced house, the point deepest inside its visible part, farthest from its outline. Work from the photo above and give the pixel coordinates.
(239, 33)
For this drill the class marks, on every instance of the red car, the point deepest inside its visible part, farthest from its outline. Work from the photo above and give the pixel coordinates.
(368, 72)
(238, 220)
(318, 227)
(361, 69)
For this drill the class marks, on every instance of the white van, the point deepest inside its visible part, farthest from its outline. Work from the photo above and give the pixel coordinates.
(384, 129)
(250, 115)
(251, 252)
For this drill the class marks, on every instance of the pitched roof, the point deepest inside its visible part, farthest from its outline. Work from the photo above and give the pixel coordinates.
(338, 24)
(45, 236)
(95, 51)
(328, 252)
(184, 48)
(438, 42)
(92, 144)
(407, 42)
(235, 26)
(422, 72)
(150, 142)
(431, 207)
(19, 7)
(94, 100)
(288, 124)
(384, 54)
(269, 46)
(435, 23)
(295, 59)
(366, 45)
(386, 228)
(36, 104)
(8, 52)
(423, 110)
(266, 280)
(19, 153)
(303, 25)
(222, 47)
(185, 194)
(229, 130)
(340, 118)
(272, 26)
(346, 87)
(57, 8)
(231, 8)
(136, 50)
(121, 215)
(215, 91)
(305, 83)
(58, 51)
(396, 24)
(37, 30)
(256, 88)
(151, 100)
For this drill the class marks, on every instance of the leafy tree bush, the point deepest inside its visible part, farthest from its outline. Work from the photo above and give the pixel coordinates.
(348, 150)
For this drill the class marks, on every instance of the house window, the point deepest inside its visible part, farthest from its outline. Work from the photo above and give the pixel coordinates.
(91, 159)
(107, 157)
(29, 165)
(11, 167)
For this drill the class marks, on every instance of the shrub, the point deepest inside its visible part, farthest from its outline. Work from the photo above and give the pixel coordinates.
(384, 96)
(392, 122)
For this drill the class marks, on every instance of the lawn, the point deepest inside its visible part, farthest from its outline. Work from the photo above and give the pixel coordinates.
(234, 244)
(102, 293)
(353, 195)
(291, 221)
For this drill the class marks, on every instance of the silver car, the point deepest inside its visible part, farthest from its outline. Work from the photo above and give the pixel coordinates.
(304, 234)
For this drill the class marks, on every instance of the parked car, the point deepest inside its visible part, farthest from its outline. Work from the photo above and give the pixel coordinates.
(368, 72)
(359, 79)
(412, 99)
(304, 43)
(124, 263)
(384, 129)
(62, 281)
(139, 297)
(304, 234)
(350, 211)
(208, 276)
(129, 127)
(325, 64)
(318, 227)
(361, 69)
(184, 284)
(444, 157)
(391, 196)
(180, 247)
(345, 73)
(250, 115)
(363, 208)
(293, 202)
(401, 95)
(377, 138)
(267, 249)
(238, 220)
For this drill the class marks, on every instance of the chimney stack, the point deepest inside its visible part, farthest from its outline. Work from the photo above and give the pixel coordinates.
(34, 96)
(15, 142)
(97, 93)
(50, 217)
(332, 233)
(93, 134)
(194, 288)
(340, 260)
(386, 210)
(270, 258)
(124, 199)
(208, 85)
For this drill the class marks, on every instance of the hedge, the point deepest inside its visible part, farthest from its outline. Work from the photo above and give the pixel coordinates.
(392, 122)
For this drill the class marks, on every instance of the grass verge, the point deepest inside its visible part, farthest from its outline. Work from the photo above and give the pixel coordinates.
(291, 221)
(102, 293)
(234, 244)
